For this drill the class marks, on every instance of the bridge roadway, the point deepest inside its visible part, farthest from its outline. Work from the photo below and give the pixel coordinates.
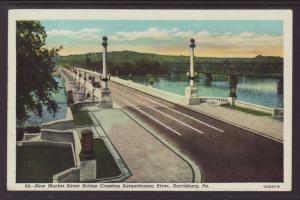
(225, 153)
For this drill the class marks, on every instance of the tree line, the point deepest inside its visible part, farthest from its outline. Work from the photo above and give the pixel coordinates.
(126, 62)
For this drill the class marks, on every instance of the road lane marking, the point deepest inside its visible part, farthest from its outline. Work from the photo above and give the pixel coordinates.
(173, 118)
(149, 116)
(172, 109)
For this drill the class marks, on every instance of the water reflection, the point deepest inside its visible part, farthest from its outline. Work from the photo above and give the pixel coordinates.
(261, 91)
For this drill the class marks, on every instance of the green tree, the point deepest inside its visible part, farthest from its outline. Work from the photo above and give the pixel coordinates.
(34, 68)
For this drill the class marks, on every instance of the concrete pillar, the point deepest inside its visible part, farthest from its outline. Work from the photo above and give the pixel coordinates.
(106, 100)
(79, 96)
(88, 163)
(70, 101)
(191, 92)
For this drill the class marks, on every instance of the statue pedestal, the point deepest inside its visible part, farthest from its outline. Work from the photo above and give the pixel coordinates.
(88, 170)
(79, 96)
(106, 100)
(191, 93)
(88, 163)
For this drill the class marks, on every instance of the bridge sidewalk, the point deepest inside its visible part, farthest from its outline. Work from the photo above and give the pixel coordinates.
(260, 125)
(148, 159)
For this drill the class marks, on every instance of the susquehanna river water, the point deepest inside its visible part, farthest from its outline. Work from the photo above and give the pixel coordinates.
(261, 91)
(61, 99)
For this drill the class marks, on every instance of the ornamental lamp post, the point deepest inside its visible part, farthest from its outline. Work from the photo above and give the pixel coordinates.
(106, 100)
(104, 73)
(192, 70)
(191, 92)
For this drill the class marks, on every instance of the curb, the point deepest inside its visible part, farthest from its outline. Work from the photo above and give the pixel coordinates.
(197, 178)
(125, 171)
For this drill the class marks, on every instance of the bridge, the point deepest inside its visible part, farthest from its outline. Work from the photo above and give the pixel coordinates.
(212, 143)
(272, 70)
(229, 146)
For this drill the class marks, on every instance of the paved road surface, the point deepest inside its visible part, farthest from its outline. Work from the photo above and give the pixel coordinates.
(225, 153)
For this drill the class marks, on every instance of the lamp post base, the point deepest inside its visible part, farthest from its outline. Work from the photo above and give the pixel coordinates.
(191, 93)
(106, 100)
(232, 100)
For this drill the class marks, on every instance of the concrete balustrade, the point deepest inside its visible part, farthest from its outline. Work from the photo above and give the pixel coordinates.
(215, 100)
(168, 96)
(57, 135)
(82, 104)
(61, 124)
(256, 107)
(30, 136)
(68, 176)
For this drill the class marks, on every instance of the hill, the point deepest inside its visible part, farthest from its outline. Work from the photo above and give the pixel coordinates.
(125, 62)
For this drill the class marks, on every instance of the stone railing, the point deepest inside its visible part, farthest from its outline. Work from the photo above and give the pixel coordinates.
(214, 100)
(46, 143)
(61, 124)
(79, 105)
(168, 96)
(278, 112)
(30, 136)
(71, 175)
(265, 109)
(57, 135)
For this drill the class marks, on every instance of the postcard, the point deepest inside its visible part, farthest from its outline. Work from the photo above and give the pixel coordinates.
(149, 100)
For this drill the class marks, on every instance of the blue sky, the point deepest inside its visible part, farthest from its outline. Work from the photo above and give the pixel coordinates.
(222, 38)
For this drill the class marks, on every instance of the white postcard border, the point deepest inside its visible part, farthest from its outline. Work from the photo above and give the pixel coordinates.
(139, 14)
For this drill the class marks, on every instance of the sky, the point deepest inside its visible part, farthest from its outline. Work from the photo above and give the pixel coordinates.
(214, 38)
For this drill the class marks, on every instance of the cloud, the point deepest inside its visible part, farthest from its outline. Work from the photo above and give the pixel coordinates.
(175, 41)
(151, 33)
(84, 34)
(203, 38)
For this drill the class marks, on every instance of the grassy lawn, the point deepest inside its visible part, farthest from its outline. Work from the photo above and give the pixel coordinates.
(38, 164)
(246, 110)
(106, 166)
(81, 118)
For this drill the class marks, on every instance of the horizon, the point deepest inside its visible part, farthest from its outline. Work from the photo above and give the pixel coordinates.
(160, 54)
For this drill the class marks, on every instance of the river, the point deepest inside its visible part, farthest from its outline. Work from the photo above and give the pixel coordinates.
(261, 91)
(61, 99)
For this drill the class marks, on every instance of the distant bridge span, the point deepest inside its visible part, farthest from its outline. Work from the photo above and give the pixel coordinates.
(255, 69)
